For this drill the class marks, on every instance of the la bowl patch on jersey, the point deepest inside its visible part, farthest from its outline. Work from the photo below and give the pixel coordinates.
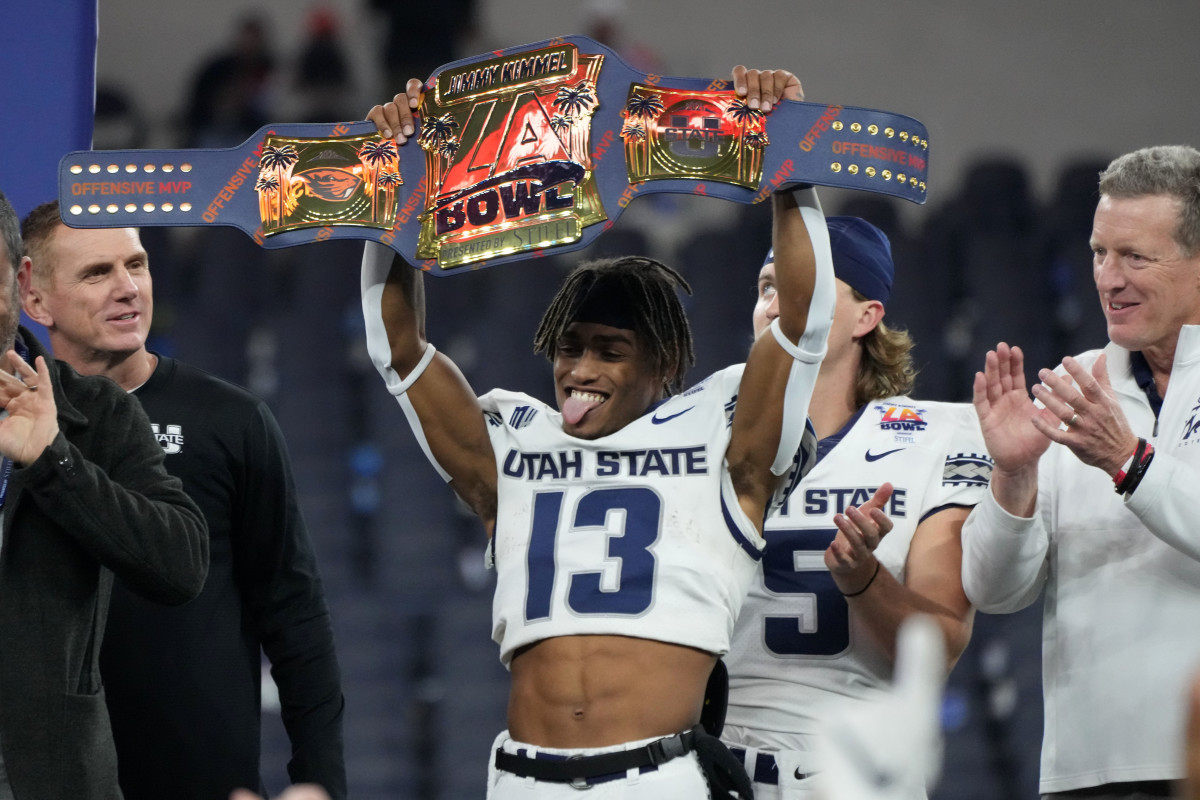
(902, 420)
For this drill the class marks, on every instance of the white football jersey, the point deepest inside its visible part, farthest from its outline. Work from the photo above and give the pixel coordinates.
(637, 533)
(796, 645)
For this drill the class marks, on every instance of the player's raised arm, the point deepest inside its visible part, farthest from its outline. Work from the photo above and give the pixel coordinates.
(441, 407)
(439, 403)
(781, 371)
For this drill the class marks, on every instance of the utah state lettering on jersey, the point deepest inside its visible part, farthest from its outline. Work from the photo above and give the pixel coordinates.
(636, 533)
(569, 464)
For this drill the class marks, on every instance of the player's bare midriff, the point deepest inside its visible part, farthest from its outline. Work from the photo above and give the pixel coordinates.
(595, 691)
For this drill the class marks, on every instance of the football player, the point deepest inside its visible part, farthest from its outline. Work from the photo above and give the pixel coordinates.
(869, 538)
(625, 523)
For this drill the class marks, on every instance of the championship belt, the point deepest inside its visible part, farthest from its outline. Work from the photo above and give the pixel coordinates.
(518, 153)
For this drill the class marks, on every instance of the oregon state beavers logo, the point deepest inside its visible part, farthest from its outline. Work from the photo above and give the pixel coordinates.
(329, 184)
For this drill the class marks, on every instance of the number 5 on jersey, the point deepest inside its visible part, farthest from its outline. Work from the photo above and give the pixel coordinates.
(795, 571)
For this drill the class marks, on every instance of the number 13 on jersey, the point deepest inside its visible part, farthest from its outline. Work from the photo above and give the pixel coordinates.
(637, 513)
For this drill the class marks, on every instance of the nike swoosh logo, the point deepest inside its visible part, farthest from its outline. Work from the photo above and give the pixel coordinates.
(657, 420)
(876, 456)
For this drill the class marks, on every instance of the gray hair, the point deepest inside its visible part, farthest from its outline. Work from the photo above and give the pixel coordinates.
(10, 233)
(1172, 170)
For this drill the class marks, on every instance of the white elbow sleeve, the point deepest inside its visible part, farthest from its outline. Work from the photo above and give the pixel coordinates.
(376, 263)
(811, 348)
(808, 351)
(813, 341)
(820, 309)
(801, 381)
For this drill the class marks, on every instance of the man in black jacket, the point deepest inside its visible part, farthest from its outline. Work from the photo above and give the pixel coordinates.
(84, 496)
(183, 684)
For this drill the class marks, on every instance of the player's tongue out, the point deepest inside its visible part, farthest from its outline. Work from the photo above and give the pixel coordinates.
(577, 404)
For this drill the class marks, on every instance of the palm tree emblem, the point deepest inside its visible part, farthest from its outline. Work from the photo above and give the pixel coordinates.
(389, 181)
(641, 110)
(449, 148)
(378, 156)
(435, 133)
(633, 132)
(560, 123)
(576, 100)
(279, 159)
(644, 106)
(576, 103)
(437, 130)
(739, 112)
(267, 187)
(756, 142)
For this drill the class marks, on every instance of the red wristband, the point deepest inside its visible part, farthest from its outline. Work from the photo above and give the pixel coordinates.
(1127, 480)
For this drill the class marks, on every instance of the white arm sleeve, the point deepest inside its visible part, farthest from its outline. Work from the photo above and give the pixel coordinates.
(376, 263)
(809, 351)
(1004, 557)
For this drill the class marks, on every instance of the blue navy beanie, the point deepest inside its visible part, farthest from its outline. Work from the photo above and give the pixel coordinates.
(862, 257)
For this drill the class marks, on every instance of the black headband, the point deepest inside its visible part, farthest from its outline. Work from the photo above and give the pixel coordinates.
(606, 302)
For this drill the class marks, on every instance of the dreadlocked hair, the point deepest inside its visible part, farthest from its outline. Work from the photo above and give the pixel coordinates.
(657, 315)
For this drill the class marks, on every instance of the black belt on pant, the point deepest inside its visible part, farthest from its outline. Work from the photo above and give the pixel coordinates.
(581, 771)
(765, 769)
